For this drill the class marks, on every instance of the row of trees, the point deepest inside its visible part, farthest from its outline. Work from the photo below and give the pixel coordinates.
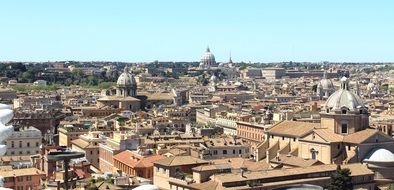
(32, 72)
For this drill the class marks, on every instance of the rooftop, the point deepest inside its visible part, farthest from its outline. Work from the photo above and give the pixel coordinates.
(293, 128)
(180, 161)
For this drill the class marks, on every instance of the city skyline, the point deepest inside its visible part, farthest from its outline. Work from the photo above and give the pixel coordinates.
(253, 31)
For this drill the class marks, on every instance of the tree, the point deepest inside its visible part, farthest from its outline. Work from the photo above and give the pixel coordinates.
(341, 180)
(27, 76)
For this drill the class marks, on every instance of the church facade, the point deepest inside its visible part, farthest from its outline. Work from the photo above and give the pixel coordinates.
(124, 96)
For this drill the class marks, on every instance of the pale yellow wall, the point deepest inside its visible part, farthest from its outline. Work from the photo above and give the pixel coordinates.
(283, 141)
(323, 155)
(160, 177)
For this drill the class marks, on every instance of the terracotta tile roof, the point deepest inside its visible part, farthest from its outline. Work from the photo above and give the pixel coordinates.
(293, 128)
(237, 163)
(80, 143)
(295, 161)
(22, 172)
(135, 160)
(15, 158)
(360, 136)
(356, 169)
(176, 151)
(209, 185)
(180, 160)
(211, 167)
(329, 135)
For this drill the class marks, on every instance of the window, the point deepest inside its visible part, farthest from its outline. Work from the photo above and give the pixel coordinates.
(20, 152)
(344, 111)
(224, 151)
(313, 154)
(28, 178)
(28, 144)
(283, 138)
(344, 128)
(12, 144)
(20, 178)
(294, 139)
(240, 151)
(91, 152)
(20, 144)
(233, 151)
(215, 152)
(37, 144)
(12, 152)
(28, 152)
(338, 146)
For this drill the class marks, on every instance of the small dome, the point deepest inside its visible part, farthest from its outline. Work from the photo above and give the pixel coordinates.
(326, 84)
(208, 59)
(344, 98)
(380, 155)
(126, 79)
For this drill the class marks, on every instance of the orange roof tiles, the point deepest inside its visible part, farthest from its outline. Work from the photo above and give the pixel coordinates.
(293, 128)
(135, 160)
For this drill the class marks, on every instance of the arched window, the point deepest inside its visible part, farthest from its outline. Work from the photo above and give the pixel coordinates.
(313, 153)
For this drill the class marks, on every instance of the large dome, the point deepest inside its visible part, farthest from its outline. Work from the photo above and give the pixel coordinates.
(126, 79)
(380, 155)
(208, 59)
(344, 98)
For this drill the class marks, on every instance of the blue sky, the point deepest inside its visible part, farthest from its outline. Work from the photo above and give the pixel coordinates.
(180, 30)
